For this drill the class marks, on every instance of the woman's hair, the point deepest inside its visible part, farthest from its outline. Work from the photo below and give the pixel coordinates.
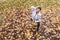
(39, 8)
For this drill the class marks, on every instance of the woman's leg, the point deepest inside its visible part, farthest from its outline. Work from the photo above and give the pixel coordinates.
(38, 24)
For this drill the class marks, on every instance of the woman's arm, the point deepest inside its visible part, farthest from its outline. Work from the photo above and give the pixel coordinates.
(33, 8)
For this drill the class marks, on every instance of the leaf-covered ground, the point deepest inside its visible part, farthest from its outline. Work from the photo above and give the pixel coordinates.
(16, 25)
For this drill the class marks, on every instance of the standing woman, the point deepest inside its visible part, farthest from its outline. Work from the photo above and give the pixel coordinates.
(36, 15)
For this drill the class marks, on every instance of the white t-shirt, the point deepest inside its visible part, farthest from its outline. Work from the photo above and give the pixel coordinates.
(35, 17)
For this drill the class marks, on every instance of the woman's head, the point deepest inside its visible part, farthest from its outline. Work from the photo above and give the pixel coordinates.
(38, 9)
